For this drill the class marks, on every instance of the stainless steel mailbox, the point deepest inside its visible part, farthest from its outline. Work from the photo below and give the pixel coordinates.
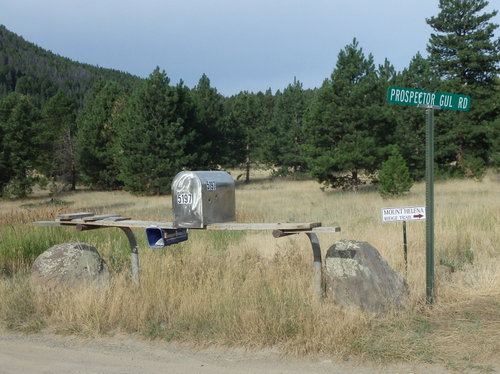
(200, 198)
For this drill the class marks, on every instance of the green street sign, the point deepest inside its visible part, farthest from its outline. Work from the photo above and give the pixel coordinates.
(429, 101)
(422, 98)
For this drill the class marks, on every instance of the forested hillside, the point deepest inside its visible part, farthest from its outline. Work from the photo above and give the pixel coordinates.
(64, 123)
(31, 70)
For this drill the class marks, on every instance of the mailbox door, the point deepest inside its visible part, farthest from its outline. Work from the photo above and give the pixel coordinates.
(187, 200)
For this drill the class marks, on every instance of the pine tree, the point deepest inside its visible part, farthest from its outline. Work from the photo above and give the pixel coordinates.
(210, 114)
(464, 49)
(343, 121)
(96, 137)
(155, 138)
(231, 150)
(58, 119)
(385, 117)
(18, 148)
(246, 115)
(394, 176)
(410, 128)
(284, 140)
(466, 55)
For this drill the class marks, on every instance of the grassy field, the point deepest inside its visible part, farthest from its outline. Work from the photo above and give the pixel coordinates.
(250, 289)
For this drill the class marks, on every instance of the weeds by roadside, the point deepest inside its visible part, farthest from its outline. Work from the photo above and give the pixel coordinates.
(249, 289)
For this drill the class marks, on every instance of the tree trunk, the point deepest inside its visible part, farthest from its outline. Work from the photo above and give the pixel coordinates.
(73, 177)
(354, 180)
(247, 175)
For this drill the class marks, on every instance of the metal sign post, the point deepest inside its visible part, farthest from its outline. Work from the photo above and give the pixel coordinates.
(430, 101)
(429, 202)
(405, 248)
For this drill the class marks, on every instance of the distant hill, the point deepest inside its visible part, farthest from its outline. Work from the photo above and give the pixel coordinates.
(31, 70)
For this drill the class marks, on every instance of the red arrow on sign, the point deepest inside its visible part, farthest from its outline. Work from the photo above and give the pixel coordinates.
(418, 215)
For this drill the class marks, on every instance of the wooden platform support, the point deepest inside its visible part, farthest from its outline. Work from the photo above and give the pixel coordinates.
(87, 221)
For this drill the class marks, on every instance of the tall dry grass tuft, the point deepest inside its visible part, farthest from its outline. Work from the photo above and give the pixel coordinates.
(249, 289)
(18, 307)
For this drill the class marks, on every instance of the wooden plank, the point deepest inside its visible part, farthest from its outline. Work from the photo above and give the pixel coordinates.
(47, 223)
(115, 220)
(264, 226)
(281, 233)
(99, 217)
(326, 229)
(122, 223)
(119, 218)
(70, 216)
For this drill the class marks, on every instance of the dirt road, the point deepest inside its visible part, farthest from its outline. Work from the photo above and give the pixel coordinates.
(50, 354)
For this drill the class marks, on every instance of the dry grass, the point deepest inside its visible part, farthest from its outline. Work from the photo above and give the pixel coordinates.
(249, 289)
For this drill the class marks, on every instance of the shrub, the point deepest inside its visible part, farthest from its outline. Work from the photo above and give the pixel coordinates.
(394, 176)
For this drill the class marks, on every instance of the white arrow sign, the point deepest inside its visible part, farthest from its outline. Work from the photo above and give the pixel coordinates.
(406, 213)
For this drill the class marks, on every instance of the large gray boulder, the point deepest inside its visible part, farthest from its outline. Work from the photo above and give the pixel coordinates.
(69, 264)
(358, 277)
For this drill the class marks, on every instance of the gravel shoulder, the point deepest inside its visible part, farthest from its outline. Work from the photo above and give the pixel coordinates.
(44, 353)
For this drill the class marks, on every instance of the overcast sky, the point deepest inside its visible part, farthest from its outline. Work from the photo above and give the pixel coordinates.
(240, 45)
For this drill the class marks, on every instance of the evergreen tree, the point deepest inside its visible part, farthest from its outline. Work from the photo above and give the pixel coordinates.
(394, 176)
(246, 115)
(410, 128)
(184, 110)
(464, 50)
(18, 148)
(285, 138)
(385, 116)
(495, 149)
(343, 121)
(466, 55)
(57, 120)
(154, 135)
(7, 76)
(68, 159)
(210, 114)
(231, 150)
(263, 128)
(97, 134)
(6, 171)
